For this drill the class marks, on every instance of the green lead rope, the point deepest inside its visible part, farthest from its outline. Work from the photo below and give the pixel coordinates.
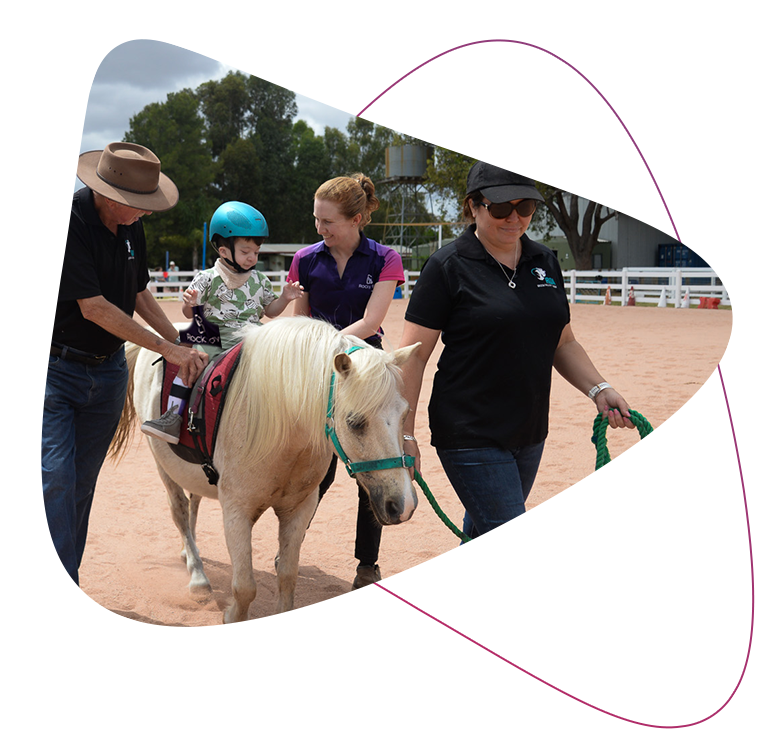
(599, 427)
(430, 498)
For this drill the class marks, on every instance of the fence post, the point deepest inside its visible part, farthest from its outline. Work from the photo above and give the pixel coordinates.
(572, 286)
(678, 281)
(624, 287)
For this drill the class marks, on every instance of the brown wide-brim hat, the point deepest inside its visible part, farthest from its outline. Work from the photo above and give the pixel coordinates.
(129, 174)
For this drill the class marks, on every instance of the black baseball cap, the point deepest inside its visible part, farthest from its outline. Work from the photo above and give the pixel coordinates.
(500, 185)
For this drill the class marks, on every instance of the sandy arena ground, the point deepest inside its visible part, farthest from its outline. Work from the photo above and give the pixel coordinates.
(657, 358)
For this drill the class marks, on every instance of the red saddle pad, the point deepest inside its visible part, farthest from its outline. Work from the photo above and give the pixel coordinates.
(205, 402)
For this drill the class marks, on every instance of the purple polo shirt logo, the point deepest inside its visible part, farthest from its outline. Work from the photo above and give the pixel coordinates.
(343, 300)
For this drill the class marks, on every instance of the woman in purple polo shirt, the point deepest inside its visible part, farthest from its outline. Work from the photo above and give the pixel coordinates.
(349, 281)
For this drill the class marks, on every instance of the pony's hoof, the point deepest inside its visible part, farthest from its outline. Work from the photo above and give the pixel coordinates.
(227, 617)
(200, 591)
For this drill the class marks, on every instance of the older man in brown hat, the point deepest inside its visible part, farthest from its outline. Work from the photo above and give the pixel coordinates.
(104, 282)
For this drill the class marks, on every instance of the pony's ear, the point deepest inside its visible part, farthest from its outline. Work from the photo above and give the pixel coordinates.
(342, 364)
(403, 355)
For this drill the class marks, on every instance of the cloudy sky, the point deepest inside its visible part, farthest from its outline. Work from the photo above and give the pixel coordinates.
(140, 72)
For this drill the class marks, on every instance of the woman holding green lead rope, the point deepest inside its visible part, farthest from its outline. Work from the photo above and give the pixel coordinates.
(497, 299)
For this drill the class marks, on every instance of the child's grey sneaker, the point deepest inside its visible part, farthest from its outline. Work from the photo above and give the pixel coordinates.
(167, 427)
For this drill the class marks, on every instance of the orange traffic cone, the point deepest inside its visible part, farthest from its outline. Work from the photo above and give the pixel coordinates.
(607, 300)
(631, 297)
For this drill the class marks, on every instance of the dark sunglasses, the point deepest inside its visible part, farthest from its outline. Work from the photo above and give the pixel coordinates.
(504, 209)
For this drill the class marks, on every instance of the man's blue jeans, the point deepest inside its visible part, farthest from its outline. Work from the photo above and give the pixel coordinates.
(82, 409)
(492, 484)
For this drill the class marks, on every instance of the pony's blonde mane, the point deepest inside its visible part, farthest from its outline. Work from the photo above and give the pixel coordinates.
(279, 393)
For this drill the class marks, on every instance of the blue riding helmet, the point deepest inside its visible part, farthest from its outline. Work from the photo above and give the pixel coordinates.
(237, 220)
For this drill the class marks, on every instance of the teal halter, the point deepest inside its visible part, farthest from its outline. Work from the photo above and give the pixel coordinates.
(383, 464)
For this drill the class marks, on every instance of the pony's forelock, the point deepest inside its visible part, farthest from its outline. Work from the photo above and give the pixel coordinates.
(371, 383)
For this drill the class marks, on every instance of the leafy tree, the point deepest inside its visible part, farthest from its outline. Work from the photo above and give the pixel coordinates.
(249, 128)
(271, 112)
(446, 180)
(311, 160)
(270, 103)
(224, 105)
(342, 152)
(237, 139)
(581, 230)
(239, 173)
(175, 132)
(369, 142)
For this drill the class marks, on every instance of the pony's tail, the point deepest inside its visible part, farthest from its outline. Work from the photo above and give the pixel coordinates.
(125, 432)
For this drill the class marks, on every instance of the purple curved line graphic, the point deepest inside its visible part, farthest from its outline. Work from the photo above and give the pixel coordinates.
(726, 399)
(597, 708)
(573, 68)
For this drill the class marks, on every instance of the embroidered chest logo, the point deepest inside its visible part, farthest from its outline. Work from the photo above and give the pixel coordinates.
(129, 249)
(545, 280)
(368, 284)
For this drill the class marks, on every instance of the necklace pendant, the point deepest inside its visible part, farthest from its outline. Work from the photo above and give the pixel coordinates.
(512, 284)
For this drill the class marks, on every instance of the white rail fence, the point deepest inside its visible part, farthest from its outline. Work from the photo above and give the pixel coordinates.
(677, 287)
(173, 286)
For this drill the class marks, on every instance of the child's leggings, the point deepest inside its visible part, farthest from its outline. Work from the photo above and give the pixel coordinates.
(179, 395)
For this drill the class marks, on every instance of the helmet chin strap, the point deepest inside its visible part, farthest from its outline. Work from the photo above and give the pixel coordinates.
(235, 266)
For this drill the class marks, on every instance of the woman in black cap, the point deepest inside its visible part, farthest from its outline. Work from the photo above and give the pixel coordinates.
(498, 300)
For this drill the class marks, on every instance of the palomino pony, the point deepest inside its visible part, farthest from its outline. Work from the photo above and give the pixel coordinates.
(273, 449)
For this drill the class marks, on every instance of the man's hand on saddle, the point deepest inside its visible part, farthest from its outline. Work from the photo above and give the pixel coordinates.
(192, 362)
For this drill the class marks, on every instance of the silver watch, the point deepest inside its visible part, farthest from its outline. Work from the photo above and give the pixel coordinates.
(593, 393)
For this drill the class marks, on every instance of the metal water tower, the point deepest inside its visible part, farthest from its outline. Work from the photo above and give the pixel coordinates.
(409, 202)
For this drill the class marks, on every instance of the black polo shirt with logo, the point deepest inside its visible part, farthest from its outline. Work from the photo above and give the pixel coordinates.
(492, 385)
(97, 263)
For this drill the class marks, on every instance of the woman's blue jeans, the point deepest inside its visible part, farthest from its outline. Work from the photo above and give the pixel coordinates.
(492, 484)
(83, 405)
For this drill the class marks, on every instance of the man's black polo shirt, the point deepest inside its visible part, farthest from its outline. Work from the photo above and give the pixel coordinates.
(96, 262)
(492, 385)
